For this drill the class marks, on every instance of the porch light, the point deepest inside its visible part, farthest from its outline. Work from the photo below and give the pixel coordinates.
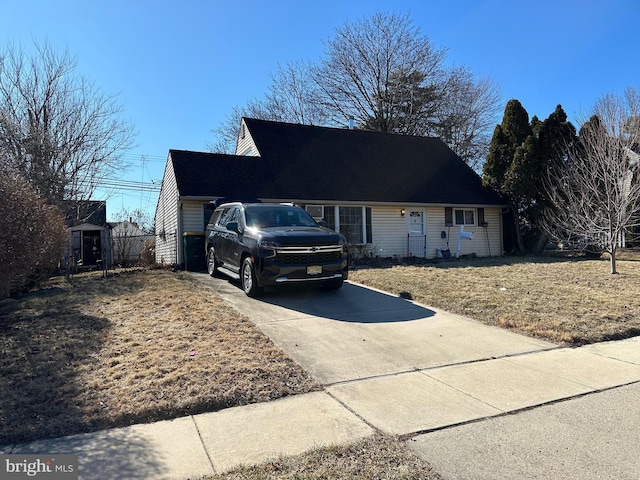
(402, 212)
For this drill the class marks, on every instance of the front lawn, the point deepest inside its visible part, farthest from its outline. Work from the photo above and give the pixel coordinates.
(94, 353)
(571, 301)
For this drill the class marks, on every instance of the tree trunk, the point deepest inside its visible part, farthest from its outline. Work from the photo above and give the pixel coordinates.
(541, 242)
(612, 255)
(519, 238)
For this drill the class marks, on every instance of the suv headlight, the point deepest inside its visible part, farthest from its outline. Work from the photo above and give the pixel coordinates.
(268, 244)
(268, 248)
(345, 245)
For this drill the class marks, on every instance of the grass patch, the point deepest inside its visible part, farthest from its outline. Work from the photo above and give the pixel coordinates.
(95, 353)
(378, 457)
(570, 301)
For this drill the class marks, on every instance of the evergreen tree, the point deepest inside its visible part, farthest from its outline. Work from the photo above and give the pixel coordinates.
(520, 155)
(499, 171)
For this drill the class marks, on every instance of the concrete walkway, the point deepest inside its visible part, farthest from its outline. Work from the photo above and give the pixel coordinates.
(461, 393)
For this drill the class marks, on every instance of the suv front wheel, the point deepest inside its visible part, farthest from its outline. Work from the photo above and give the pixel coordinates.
(248, 279)
(212, 263)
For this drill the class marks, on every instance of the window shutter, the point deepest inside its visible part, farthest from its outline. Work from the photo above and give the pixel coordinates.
(480, 217)
(448, 215)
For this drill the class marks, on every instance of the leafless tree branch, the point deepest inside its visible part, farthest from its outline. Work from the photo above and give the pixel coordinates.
(594, 191)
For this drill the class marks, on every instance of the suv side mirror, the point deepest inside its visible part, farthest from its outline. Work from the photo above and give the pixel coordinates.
(233, 226)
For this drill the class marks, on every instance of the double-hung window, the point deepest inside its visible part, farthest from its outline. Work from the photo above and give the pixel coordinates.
(465, 217)
(353, 222)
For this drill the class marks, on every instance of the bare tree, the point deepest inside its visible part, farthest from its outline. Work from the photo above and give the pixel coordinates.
(129, 234)
(466, 116)
(294, 97)
(60, 131)
(228, 130)
(382, 72)
(594, 191)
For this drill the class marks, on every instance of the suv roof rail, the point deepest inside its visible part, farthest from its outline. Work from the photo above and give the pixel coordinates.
(223, 200)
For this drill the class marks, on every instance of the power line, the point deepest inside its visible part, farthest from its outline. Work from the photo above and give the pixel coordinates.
(123, 184)
(148, 158)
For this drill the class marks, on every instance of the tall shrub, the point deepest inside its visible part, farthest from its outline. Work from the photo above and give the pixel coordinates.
(33, 235)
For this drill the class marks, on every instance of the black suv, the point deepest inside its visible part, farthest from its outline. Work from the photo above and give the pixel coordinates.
(269, 244)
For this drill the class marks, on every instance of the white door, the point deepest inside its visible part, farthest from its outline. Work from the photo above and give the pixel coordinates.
(417, 237)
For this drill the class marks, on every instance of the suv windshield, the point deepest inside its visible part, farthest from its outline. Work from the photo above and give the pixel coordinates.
(264, 216)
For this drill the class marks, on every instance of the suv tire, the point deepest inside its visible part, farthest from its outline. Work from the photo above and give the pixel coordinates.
(248, 279)
(212, 263)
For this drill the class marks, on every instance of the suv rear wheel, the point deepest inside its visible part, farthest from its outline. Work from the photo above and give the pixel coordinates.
(248, 279)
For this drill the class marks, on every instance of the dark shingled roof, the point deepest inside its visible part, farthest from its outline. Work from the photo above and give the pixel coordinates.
(319, 163)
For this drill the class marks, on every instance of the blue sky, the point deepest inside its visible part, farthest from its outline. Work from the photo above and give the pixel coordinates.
(178, 67)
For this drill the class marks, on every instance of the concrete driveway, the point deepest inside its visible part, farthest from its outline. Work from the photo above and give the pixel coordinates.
(356, 332)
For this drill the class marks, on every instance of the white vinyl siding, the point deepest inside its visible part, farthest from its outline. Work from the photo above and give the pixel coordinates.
(246, 145)
(389, 232)
(435, 227)
(479, 244)
(166, 218)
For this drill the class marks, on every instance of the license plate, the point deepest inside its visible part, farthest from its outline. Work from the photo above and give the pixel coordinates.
(314, 270)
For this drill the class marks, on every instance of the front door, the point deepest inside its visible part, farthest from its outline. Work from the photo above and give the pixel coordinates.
(417, 237)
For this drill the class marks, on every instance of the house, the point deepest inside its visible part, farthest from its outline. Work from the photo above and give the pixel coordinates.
(390, 195)
(127, 242)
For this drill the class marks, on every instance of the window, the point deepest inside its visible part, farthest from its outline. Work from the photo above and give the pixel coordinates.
(353, 222)
(316, 211)
(448, 216)
(224, 217)
(234, 216)
(465, 217)
(265, 216)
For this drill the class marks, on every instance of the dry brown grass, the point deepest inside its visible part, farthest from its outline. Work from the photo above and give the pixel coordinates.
(570, 301)
(378, 457)
(136, 347)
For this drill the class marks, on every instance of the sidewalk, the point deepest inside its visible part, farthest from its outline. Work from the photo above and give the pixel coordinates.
(445, 382)
(407, 404)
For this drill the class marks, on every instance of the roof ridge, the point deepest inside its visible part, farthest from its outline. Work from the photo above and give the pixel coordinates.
(338, 129)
